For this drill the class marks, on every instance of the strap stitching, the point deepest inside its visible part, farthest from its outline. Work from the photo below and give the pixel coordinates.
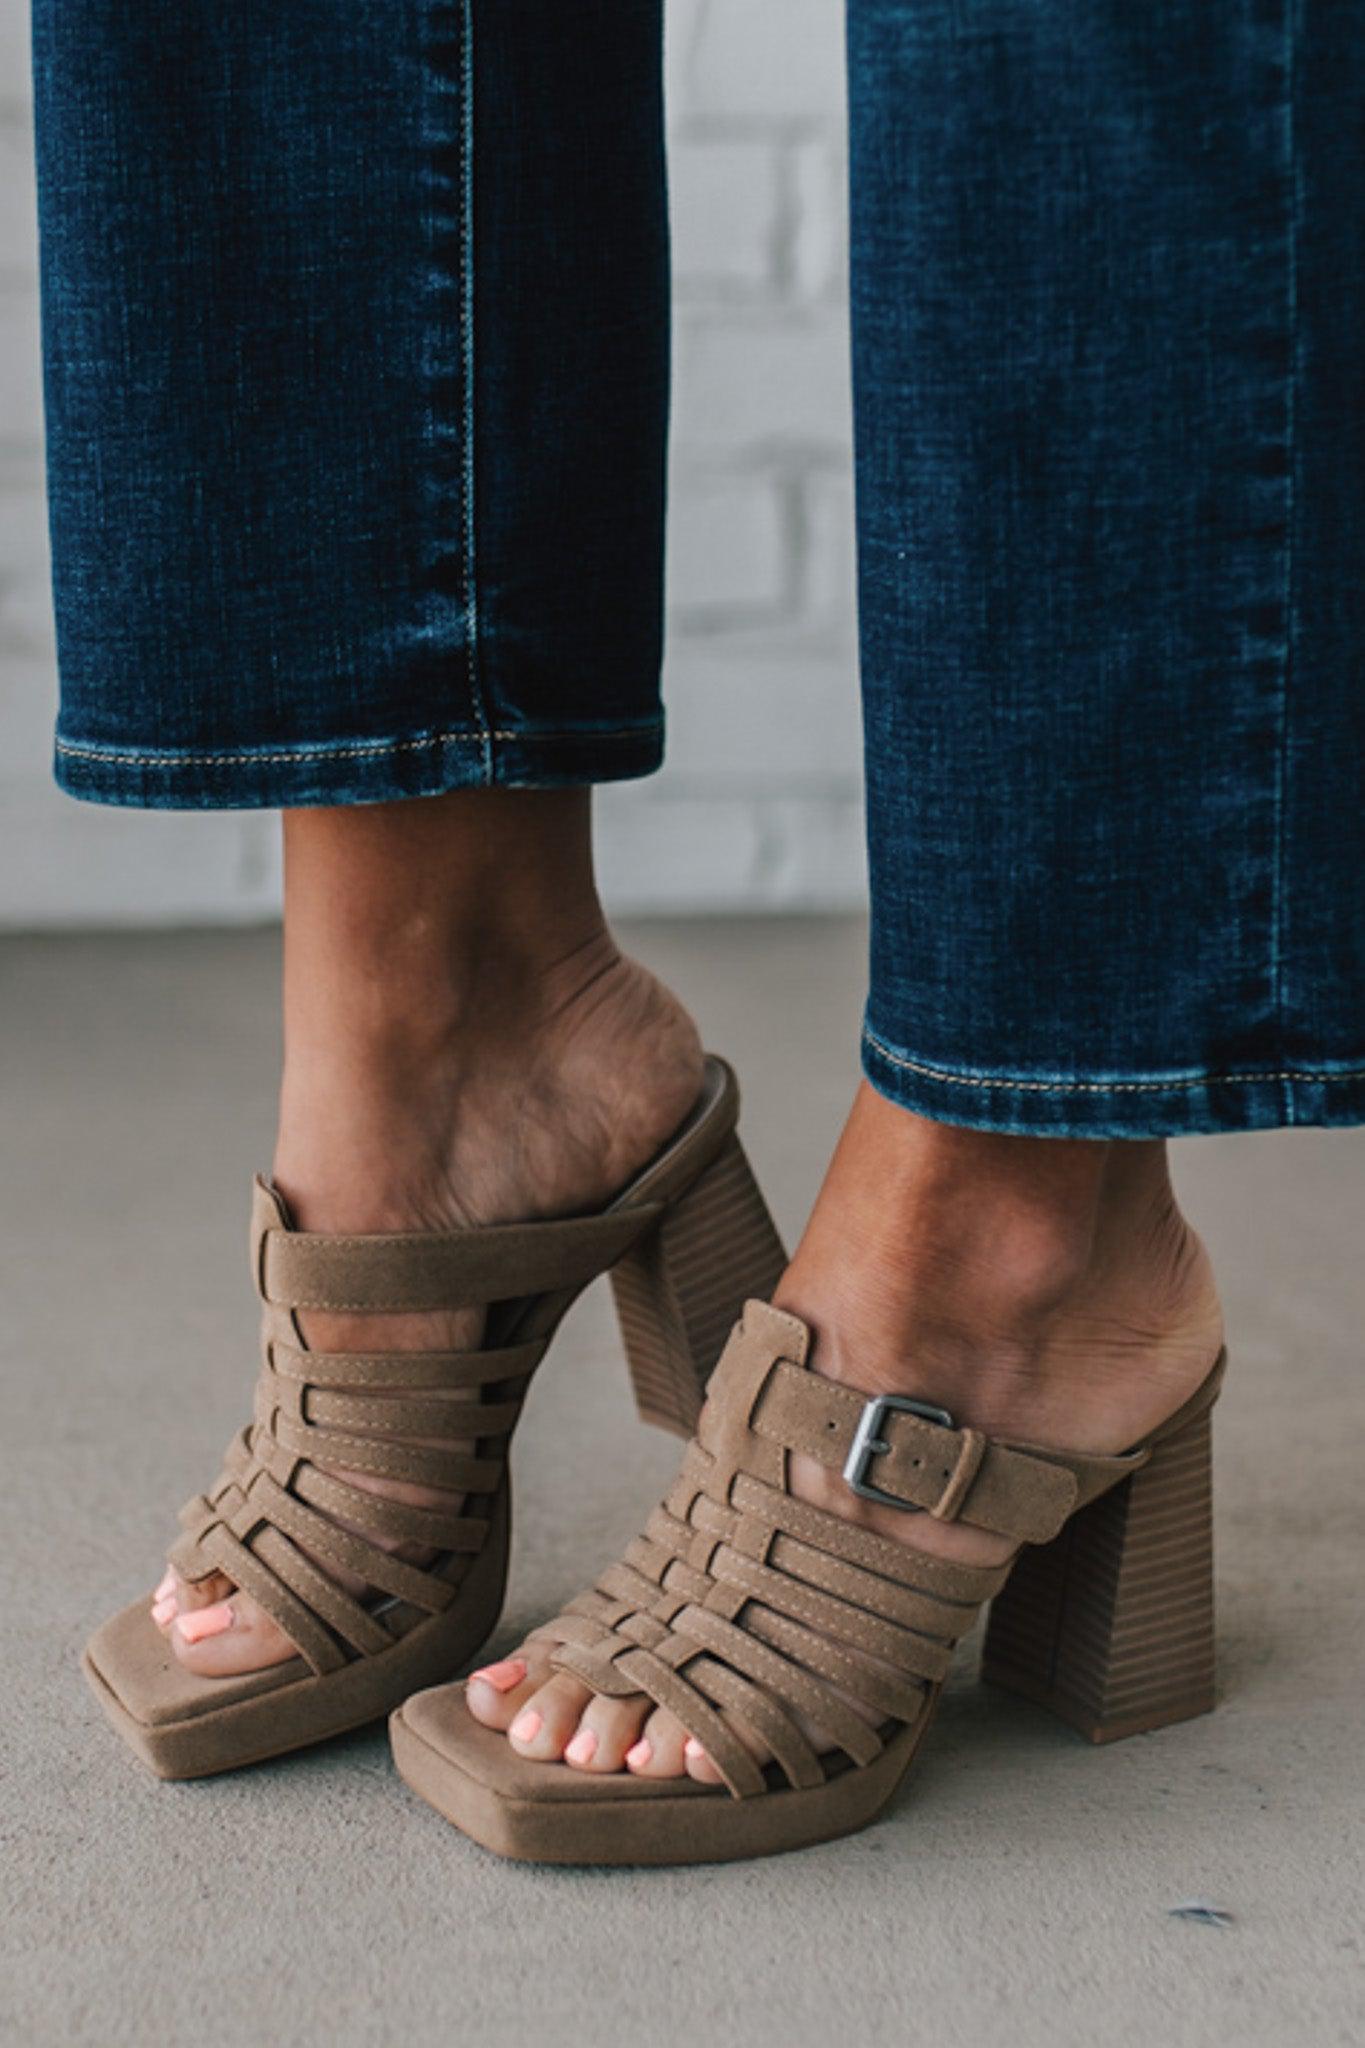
(848, 1614)
(827, 1581)
(382, 1469)
(824, 1648)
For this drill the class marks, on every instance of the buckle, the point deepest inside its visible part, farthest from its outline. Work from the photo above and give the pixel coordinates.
(868, 1443)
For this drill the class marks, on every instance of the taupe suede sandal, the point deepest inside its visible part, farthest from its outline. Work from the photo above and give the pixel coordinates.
(742, 1608)
(684, 1244)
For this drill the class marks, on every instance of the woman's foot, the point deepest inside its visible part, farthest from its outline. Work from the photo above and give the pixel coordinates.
(461, 1049)
(1045, 1290)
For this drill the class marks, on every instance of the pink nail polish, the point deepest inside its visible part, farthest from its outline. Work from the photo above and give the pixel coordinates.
(163, 1612)
(693, 1750)
(503, 1677)
(637, 1758)
(526, 1727)
(204, 1621)
(583, 1748)
(164, 1590)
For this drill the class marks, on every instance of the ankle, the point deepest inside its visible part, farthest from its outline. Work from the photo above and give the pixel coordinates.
(538, 1092)
(999, 1275)
(409, 1013)
(947, 1237)
(413, 928)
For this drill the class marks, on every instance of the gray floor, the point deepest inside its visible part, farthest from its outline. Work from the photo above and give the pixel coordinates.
(1020, 1892)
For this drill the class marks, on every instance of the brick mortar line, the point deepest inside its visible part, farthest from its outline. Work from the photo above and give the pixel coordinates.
(769, 131)
(814, 317)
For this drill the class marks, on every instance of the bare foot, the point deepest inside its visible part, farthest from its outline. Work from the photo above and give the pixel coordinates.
(543, 1098)
(1045, 1290)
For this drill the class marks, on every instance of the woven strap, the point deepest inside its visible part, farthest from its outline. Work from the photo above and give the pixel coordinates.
(761, 1613)
(277, 1522)
(755, 1618)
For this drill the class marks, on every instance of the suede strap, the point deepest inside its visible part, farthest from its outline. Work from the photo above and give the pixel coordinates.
(398, 1273)
(289, 1512)
(756, 1618)
(951, 1474)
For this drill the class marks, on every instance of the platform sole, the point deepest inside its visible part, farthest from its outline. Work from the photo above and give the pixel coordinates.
(698, 1824)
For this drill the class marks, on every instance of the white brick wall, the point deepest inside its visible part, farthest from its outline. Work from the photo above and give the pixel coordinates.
(759, 805)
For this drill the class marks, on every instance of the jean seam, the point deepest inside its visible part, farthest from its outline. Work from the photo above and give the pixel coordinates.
(1150, 1085)
(1289, 597)
(325, 750)
(469, 361)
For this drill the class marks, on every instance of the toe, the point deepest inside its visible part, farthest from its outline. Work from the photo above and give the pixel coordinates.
(496, 1693)
(165, 1606)
(699, 1764)
(227, 1638)
(207, 1592)
(608, 1730)
(175, 1596)
(659, 1751)
(549, 1719)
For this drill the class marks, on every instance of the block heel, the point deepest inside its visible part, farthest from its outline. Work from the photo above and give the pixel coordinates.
(678, 1292)
(1111, 1624)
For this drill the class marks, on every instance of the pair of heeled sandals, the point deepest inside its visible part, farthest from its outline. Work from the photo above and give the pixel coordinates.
(742, 1610)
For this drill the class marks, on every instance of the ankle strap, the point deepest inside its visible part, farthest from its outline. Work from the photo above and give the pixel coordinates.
(909, 1461)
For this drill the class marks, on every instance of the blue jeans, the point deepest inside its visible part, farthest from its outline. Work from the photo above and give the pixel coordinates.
(356, 351)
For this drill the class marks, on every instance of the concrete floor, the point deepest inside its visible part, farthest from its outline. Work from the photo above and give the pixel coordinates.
(1020, 1892)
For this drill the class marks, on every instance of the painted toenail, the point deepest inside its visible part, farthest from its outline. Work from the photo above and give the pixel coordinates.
(693, 1750)
(583, 1748)
(163, 1611)
(526, 1727)
(637, 1758)
(204, 1621)
(164, 1590)
(504, 1676)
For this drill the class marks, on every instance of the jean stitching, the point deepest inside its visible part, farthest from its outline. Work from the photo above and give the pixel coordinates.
(1281, 777)
(467, 345)
(1101, 1087)
(325, 751)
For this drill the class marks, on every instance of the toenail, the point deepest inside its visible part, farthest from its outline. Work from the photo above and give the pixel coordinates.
(163, 1611)
(164, 1590)
(693, 1750)
(504, 1676)
(637, 1758)
(204, 1621)
(526, 1727)
(583, 1748)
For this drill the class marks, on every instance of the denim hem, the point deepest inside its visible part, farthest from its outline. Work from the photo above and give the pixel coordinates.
(356, 771)
(1187, 1104)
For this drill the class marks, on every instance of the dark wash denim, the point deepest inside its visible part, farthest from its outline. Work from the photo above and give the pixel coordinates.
(356, 341)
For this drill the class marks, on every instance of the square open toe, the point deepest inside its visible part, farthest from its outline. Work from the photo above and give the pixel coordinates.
(535, 1812)
(755, 1618)
(683, 1243)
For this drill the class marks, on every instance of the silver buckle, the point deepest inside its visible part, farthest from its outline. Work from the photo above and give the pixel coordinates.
(868, 1443)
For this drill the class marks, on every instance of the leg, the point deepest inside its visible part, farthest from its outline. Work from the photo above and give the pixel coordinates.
(1094, 473)
(356, 434)
(1042, 1290)
(464, 1044)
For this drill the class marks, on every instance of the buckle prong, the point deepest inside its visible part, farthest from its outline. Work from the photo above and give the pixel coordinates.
(869, 1443)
